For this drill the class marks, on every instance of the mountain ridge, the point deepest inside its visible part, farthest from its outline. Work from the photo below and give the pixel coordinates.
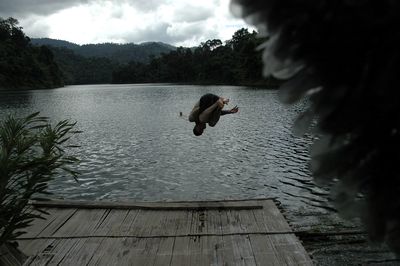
(121, 53)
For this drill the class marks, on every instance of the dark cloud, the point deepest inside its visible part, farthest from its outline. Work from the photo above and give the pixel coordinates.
(22, 8)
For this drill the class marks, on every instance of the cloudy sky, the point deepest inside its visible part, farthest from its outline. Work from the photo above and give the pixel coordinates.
(177, 22)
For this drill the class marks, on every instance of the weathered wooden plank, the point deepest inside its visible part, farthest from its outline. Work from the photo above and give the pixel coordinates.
(271, 217)
(184, 222)
(168, 223)
(211, 249)
(290, 250)
(145, 222)
(47, 226)
(149, 205)
(10, 255)
(123, 228)
(213, 222)
(39, 260)
(58, 249)
(193, 235)
(264, 252)
(248, 222)
(112, 220)
(75, 225)
(82, 252)
(226, 251)
(180, 253)
(230, 222)
(164, 252)
(32, 247)
(242, 251)
(60, 217)
(198, 223)
(107, 252)
(141, 252)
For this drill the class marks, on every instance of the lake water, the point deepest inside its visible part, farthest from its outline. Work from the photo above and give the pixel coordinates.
(134, 145)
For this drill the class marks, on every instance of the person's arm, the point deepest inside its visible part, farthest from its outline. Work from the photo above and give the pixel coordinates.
(232, 111)
(205, 115)
(194, 114)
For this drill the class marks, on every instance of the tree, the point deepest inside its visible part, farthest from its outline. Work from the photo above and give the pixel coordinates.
(32, 152)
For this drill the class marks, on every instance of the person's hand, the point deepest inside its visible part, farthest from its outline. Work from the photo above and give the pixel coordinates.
(234, 110)
(221, 103)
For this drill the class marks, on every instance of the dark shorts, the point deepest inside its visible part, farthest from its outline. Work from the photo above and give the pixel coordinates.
(207, 100)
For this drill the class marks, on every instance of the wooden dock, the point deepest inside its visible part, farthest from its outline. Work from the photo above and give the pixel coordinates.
(250, 232)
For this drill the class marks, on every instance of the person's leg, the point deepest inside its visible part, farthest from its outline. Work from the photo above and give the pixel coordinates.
(214, 118)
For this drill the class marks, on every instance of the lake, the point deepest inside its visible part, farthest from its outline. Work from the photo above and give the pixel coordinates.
(134, 145)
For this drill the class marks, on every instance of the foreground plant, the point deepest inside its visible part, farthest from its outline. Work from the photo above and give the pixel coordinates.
(32, 152)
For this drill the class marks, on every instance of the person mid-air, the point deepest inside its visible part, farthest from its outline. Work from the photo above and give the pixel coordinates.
(208, 110)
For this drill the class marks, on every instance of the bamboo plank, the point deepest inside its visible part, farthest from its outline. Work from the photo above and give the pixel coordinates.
(230, 222)
(211, 250)
(242, 250)
(145, 223)
(47, 226)
(164, 253)
(109, 250)
(60, 217)
(272, 218)
(39, 260)
(113, 219)
(180, 253)
(290, 250)
(75, 225)
(213, 222)
(82, 252)
(184, 223)
(148, 205)
(33, 246)
(123, 228)
(197, 225)
(141, 252)
(169, 222)
(248, 222)
(58, 249)
(179, 233)
(264, 252)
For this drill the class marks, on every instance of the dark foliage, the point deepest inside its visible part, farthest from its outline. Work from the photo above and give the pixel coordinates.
(345, 55)
(120, 53)
(21, 64)
(236, 62)
(77, 69)
(31, 153)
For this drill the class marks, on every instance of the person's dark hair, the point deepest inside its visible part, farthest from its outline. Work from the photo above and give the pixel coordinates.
(197, 132)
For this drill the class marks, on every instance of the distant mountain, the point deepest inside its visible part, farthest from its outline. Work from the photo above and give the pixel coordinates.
(121, 53)
(54, 42)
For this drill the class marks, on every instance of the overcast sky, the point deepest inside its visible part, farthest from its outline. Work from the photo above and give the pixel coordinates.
(177, 22)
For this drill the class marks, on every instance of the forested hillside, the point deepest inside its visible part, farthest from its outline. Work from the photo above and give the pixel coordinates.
(23, 66)
(121, 53)
(237, 62)
(77, 69)
(52, 63)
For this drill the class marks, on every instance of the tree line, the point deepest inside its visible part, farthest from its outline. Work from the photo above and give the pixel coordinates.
(23, 65)
(237, 62)
(26, 66)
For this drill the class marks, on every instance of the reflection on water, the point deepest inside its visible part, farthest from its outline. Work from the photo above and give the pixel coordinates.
(135, 146)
